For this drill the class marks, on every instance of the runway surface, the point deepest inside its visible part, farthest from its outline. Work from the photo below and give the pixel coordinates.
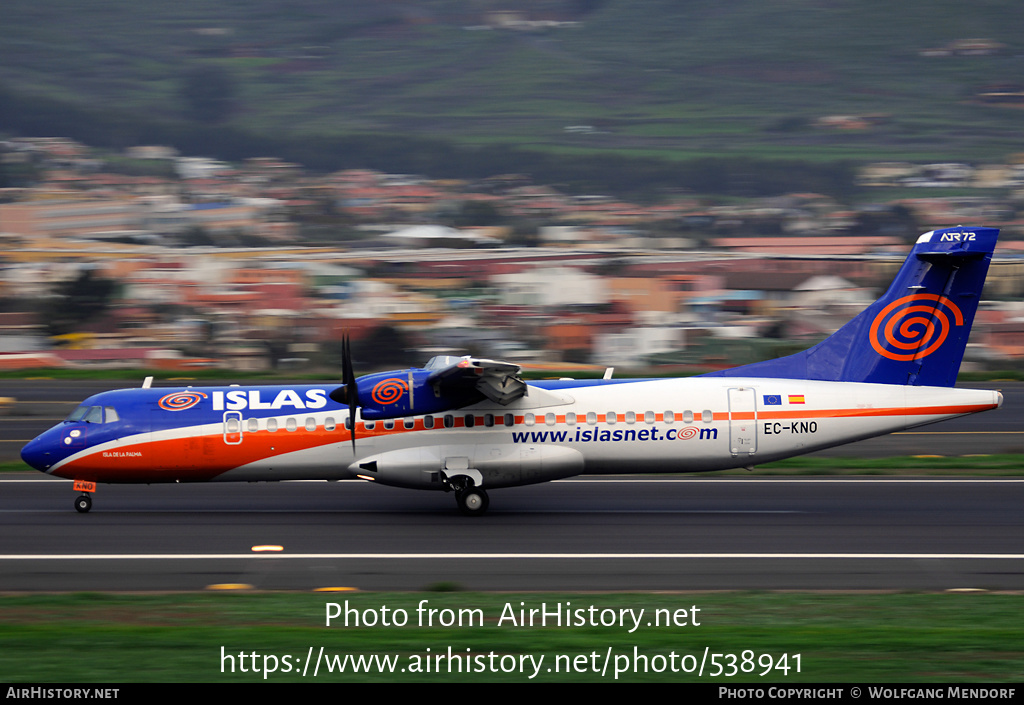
(584, 534)
(694, 533)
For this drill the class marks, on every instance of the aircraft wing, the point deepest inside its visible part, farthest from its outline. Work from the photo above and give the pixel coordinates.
(498, 381)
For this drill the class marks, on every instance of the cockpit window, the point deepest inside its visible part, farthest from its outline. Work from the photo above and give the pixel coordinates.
(94, 414)
(78, 414)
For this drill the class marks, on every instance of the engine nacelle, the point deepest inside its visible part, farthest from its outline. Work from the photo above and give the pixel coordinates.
(391, 395)
(508, 465)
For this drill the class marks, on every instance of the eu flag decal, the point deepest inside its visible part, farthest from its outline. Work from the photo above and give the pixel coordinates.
(772, 399)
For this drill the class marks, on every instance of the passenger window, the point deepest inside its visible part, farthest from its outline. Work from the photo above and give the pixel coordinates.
(549, 418)
(510, 420)
(687, 416)
(449, 421)
(369, 425)
(348, 424)
(528, 419)
(254, 425)
(272, 425)
(409, 424)
(291, 424)
(310, 423)
(389, 424)
(610, 417)
(648, 417)
(630, 417)
(469, 420)
(488, 420)
(591, 417)
(570, 418)
(669, 416)
(428, 422)
(329, 423)
(706, 416)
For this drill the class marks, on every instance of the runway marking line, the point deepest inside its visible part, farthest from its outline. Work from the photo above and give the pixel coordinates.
(952, 433)
(33, 477)
(517, 556)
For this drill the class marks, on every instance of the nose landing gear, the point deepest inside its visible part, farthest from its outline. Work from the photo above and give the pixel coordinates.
(83, 502)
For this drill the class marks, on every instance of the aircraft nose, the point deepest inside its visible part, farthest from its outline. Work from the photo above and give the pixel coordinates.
(36, 454)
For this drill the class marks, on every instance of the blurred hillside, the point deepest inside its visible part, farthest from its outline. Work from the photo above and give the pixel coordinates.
(418, 85)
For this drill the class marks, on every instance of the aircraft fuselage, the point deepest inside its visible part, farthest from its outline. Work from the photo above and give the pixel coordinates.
(558, 429)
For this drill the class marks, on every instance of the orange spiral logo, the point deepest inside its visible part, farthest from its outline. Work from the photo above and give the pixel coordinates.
(388, 391)
(917, 324)
(686, 433)
(179, 401)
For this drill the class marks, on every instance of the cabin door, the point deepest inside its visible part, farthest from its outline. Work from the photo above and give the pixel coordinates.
(742, 421)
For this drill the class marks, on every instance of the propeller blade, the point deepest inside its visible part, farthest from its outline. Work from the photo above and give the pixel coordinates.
(348, 378)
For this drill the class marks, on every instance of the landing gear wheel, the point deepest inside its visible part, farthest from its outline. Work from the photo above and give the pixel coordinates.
(473, 501)
(83, 503)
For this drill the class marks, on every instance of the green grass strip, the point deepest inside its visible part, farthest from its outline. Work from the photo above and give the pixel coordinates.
(927, 638)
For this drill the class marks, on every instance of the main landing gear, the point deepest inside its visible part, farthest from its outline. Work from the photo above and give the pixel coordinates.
(472, 500)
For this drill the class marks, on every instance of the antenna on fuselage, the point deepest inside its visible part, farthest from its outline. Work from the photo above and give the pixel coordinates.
(608, 373)
(148, 382)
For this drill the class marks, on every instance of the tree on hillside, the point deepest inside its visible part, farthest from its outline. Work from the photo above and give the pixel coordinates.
(385, 346)
(78, 302)
(476, 213)
(208, 93)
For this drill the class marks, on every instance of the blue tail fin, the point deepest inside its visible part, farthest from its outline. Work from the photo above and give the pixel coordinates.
(916, 333)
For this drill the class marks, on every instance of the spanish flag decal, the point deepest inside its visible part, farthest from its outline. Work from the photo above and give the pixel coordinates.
(796, 398)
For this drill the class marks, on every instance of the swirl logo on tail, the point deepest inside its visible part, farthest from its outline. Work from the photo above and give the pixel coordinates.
(917, 325)
(179, 401)
(388, 391)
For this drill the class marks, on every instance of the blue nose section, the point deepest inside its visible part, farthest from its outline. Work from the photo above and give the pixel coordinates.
(35, 455)
(51, 446)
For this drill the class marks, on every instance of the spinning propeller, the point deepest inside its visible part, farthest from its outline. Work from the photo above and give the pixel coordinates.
(349, 392)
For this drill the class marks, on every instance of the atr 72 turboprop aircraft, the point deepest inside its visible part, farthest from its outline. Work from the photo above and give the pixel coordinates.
(469, 425)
